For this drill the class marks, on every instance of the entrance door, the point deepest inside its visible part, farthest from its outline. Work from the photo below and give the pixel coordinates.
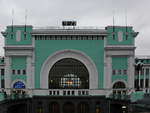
(68, 108)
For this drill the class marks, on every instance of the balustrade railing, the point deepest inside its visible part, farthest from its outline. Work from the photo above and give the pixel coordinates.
(122, 94)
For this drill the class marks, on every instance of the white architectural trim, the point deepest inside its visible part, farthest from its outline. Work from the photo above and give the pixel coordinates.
(107, 72)
(29, 71)
(131, 73)
(86, 60)
(18, 52)
(13, 82)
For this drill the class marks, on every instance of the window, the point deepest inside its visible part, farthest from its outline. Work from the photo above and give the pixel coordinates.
(24, 72)
(125, 72)
(19, 84)
(114, 72)
(119, 72)
(13, 72)
(18, 72)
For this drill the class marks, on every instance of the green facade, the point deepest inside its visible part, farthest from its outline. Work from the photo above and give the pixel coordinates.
(95, 49)
(127, 35)
(25, 36)
(92, 48)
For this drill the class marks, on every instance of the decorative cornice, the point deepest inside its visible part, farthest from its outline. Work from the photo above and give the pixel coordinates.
(69, 32)
(120, 47)
(18, 47)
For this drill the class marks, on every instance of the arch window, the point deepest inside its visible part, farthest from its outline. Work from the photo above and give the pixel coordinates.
(68, 73)
(119, 88)
(19, 84)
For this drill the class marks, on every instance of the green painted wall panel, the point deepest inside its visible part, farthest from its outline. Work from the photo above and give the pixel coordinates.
(119, 62)
(18, 62)
(20, 77)
(119, 77)
(93, 48)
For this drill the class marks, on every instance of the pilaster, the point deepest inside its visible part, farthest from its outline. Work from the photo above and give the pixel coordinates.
(108, 72)
(131, 72)
(7, 72)
(29, 72)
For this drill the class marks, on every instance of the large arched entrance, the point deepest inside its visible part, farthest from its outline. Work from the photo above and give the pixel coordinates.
(68, 73)
(74, 54)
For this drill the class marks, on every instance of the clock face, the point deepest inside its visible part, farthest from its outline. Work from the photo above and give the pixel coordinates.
(120, 36)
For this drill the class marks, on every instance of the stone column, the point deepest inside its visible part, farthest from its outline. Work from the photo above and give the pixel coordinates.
(131, 72)
(7, 72)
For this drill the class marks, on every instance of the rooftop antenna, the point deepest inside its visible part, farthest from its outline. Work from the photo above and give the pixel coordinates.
(25, 24)
(12, 23)
(126, 24)
(113, 24)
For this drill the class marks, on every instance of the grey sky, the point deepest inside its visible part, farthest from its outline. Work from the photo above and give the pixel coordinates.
(85, 12)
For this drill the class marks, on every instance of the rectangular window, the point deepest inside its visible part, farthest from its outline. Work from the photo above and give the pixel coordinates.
(13, 72)
(18, 72)
(113, 72)
(125, 72)
(23, 72)
(119, 72)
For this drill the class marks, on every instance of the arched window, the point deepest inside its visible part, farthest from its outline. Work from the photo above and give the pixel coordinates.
(19, 84)
(119, 85)
(119, 88)
(68, 73)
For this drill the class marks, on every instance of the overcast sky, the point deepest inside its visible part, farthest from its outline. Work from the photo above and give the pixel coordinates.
(86, 12)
